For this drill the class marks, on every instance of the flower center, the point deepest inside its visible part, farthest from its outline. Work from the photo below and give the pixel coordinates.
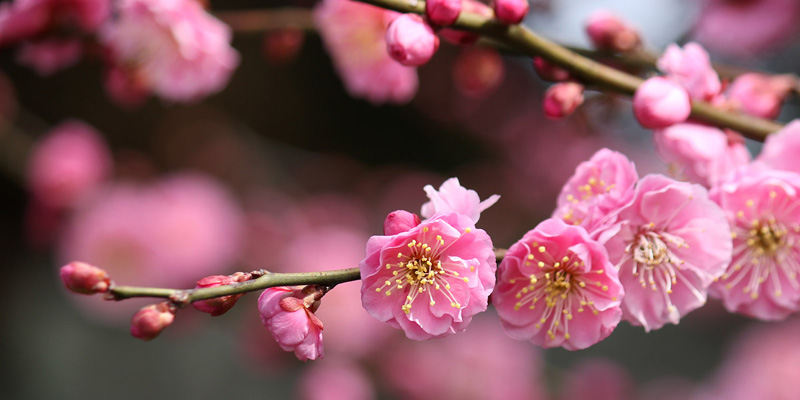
(654, 262)
(766, 236)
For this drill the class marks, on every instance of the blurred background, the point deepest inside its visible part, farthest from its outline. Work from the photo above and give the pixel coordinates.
(289, 167)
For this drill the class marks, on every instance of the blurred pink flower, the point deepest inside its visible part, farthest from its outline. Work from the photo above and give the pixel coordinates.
(761, 364)
(746, 28)
(410, 40)
(510, 11)
(673, 243)
(760, 94)
(762, 278)
(400, 221)
(50, 56)
(443, 12)
(452, 197)
(557, 288)
(597, 191)
(288, 312)
(700, 153)
(561, 99)
(781, 149)
(172, 47)
(430, 280)
(480, 364)
(660, 102)
(478, 71)
(335, 380)
(456, 36)
(691, 67)
(597, 379)
(68, 164)
(609, 32)
(354, 34)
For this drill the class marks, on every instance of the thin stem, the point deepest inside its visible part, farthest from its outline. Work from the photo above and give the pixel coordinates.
(607, 78)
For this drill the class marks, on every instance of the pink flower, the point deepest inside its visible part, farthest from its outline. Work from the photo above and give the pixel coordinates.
(400, 221)
(219, 305)
(148, 322)
(173, 47)
(660, 102)
(430, 280)
(355, 36)
(597, 191)
(456, 36)
(443, 12)
(561, 99)
(699, 153)
(289, 314)
(548, 71)
(609, 32)
(691, 67)
(481, 363)
(672, 244)
(84, 278)
(762, 278)
(67, 165)
(781, 149)
(510, 11)
(451, 196)
(410, 40)
(556, 287)
(759, 94)
(746, 28)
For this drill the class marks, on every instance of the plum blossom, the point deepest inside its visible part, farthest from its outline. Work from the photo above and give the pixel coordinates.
(557, 288)
(510, 11)
(443, 12)
(410, 40)
(354, 35)
(781, 149)
(672, 244)
(451, 196)
(561, 99)
(600, 187)
(84, 278)
(173, 48)
(762, 208)
(760, 94)
(660, 102)
(429, 281)
(148, 322)
(288, 312)
(691, 67)
(700, 153)
(219, 305)
(609, 32)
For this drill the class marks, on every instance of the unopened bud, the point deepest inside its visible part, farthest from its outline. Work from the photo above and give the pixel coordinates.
(83, 278)
(410, 40)
(442, 12)
(660, 102)
(456, 36)
(399, 221)
(219, 305)
(609, 32)
(148, 322)
(548, 71)
(562, 99)
(759, 94)
(510, 11)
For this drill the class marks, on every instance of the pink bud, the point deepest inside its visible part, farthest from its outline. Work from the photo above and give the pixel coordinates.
(510, 11)
(608, 32)
(661, 102)
(456, 36)
(148, 322)
(83, 278)
(562, 99)
(219, 305)
(549, 72)
(399, 221)
(761, 95)
(442, 12)
(410, 40)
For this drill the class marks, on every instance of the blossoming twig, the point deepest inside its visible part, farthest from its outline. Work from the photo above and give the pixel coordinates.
(604, 77)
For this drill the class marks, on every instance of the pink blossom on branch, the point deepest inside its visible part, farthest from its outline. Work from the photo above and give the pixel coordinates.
(557, 288)
(451, 196)
(172, 47)
(355, 36)
(700, 153)
(672, 244)
(762, 278)
(410, 40)
(660, 102)
(561, 99)
(609, 32)
(430, 280)
(288, 312)
(84, 278)
(219, 305)
(148, 322)
(443, 12)
(510, 11)
(691, 67)
(759, 94)
(781, 149)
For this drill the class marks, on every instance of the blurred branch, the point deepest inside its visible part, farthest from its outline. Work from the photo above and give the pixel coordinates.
(604, 77)
(267, 19)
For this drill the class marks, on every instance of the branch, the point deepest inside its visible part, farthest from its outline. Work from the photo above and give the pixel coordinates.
(606, 78)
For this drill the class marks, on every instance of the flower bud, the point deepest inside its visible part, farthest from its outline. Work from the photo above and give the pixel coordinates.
(456, 36)
(443, 12)
(608, 32)
(549, 72)
(510, 11)
(562, 99)
(148, 322)
(410, 40)
(83, 278)
(219, 305)
(399, 221)
(660, 102)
